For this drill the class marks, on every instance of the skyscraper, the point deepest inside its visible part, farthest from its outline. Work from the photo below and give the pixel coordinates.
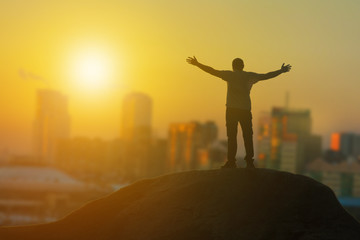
(189, 144)
(263, 139)
(52, 123)
(285, 140)
(136, 133)
(346, 143)
(136, 117)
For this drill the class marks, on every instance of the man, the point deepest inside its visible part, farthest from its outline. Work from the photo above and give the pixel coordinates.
(238, 105)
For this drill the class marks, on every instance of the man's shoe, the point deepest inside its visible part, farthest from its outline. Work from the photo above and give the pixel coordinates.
(229, 164)
(250, 163)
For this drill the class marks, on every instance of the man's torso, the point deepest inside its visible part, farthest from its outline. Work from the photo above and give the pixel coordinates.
(239, 84)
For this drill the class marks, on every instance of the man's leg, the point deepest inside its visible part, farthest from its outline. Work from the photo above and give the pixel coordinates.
(231, 130)
(246, 126)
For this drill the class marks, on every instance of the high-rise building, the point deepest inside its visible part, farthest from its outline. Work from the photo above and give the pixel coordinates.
(189, 145)
(136, 117)
(209, 132)
(346, 143)
(136, 133)
(263, 139)
(159, 156)
(357, 148)
(342, 177)
(285, 140)
(52, 123)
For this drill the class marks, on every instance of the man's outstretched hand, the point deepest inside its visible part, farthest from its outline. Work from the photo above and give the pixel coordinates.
(285, 68)
(192, 60)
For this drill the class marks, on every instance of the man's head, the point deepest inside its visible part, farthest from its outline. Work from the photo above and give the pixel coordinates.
(238, 64)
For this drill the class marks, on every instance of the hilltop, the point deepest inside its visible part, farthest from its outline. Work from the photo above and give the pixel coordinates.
(254, 204)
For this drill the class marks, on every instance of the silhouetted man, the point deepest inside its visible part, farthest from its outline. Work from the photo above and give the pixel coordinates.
(238, 105)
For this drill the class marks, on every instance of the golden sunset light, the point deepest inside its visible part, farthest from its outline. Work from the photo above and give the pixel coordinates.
(106, 92)
(92, 70)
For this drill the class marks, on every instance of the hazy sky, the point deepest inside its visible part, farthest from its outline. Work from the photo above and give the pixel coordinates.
(142, 46)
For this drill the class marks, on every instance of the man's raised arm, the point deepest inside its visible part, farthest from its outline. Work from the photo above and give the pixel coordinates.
(194, 61)
(284, 68)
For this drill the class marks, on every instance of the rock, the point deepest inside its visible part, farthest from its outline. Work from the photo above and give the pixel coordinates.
(239, 204)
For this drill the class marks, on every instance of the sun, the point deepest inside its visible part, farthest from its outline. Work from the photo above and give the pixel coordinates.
(92, 69)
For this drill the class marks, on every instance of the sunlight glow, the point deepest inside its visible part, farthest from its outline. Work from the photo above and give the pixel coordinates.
(92, 69)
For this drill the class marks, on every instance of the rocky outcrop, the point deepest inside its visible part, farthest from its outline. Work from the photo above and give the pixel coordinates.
(242, 204)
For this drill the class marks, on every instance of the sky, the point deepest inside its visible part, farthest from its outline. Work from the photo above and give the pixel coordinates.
(141, 45)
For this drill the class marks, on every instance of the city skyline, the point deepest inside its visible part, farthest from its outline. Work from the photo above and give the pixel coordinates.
(121, 132)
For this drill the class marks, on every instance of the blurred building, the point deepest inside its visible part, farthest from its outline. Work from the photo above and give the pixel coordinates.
(52, 123)
(343, 178)
(264, 139)
(285, 141)
(91, 160)
(33, 195)
(189, 145)
(137, 134)
(158, 160)
(136, 117)
(209, 133)
(218, 154)
(348, 144)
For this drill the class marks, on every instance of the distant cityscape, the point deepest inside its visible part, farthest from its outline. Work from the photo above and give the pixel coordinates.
(63, 173)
